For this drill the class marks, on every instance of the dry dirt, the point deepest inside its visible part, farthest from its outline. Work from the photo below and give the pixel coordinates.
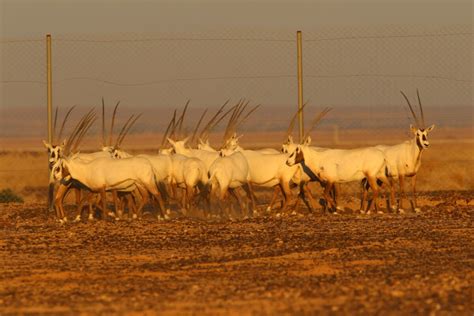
(298, 262)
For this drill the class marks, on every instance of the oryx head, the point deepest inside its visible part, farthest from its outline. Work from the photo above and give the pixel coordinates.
(179, 145)
(233, 142)
(296, 156)
(204, 145)
(55, 152)
(419, 130)
(225, 152)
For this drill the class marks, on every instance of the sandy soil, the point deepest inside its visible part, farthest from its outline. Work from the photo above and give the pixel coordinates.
(296, 262)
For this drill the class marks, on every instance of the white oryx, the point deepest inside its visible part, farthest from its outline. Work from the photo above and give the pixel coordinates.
(108, 174)
(227, 173)
(404, 160)
(341, 165)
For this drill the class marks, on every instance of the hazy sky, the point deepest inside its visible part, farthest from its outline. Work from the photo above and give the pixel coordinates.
(37, 17)
(381, 47)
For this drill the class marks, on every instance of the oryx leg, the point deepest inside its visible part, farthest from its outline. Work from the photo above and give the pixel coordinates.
(59, 200)
(401, 194)
(304, 187)
(117, 205)
(285, 189)
(375, 190)
(103, 199)
(327, 196)
(276, 189)
(365, 190)
(251, 195)
(79, 203)
(413, 198)
(239, 200)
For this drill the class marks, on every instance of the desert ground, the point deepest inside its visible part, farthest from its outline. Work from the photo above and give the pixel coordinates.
(283, 262)
(294, 262)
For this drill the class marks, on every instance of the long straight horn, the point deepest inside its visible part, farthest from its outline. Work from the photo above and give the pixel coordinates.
(233, 117)
(181, 119)
(64, 123)
(103, 123)
(289, 131)
(132, 122)
(112, 124)
(214, 124)
(210, 124)
(87, 125)
(170, 125)
(71, 141)
(55, 121)
(411, 109)
(197, 126)
(247, 115)
(317, 119)
(421, 109)
(124, 128)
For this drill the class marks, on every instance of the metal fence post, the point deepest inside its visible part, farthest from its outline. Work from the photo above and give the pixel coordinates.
(49, 93)
(299, 45)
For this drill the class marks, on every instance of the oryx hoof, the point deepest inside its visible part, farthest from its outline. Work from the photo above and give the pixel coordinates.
(65, 219)
(111, 214)
(77, 219)
(268, 209)
(338, 208)
(91, 217)
(417, 210)
(160, 218)
(393, 208)
(379, 212)
(117, 218)
(278, 215)
(368, 212)
(361, 211)
(401, 211)
(134, 216)
(61, 221)
(168, 211)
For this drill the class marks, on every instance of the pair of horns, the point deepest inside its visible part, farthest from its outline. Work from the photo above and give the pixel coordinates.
(314, 123)
(125, 128)
(419, 122)
(79, 131)
(237, 117)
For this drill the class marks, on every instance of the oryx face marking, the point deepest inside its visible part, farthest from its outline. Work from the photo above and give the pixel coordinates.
(421, 135)
(296, 157)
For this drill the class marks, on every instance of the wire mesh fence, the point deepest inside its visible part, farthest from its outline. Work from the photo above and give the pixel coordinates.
(357, 71)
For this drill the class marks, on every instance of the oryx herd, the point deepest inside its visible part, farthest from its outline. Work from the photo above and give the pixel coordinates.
(188, 172)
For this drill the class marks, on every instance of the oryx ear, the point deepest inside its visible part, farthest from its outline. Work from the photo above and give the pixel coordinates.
(307, 141)
(172, 142)
(185, 140)
(290, 139)
(429, 129)
(47, 145)
(413, 129)
(239, 136)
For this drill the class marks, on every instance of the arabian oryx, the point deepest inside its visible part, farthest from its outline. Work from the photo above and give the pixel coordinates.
(404, 160)
(108, 174)
(341, 165)
(227, 173)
